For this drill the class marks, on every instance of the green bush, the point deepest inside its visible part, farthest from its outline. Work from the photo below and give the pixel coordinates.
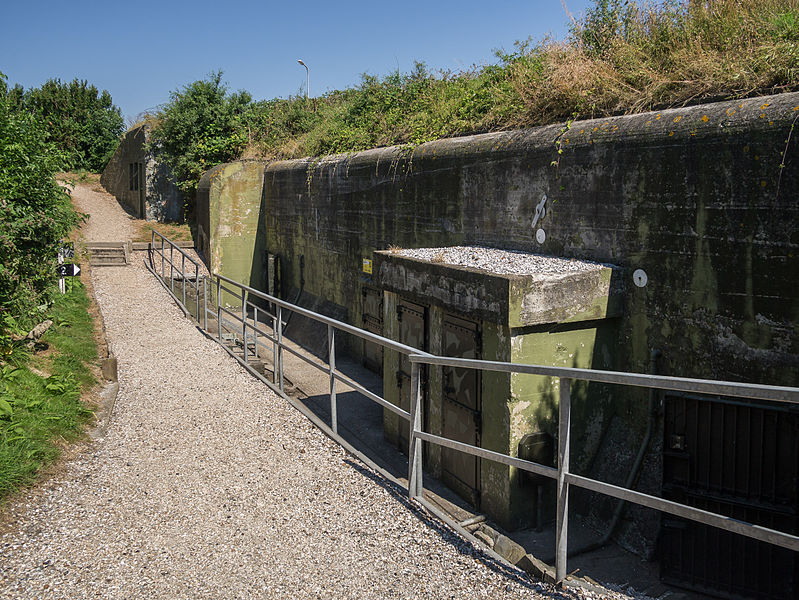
(35, 213)
(200, 127)
(81, 121)
(38, 411)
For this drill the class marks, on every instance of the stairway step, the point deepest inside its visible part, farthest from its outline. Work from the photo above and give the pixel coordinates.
(105, 263)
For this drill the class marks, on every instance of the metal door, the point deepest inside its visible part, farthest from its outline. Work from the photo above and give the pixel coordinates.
(373, 322)
(462, 409)
(740, 459)
(412, 332)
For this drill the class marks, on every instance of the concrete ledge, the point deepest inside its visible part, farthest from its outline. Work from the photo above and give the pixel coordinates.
(582, 294)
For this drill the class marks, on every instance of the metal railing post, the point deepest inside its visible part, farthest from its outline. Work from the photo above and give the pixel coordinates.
(163, 258)
(279, 365)
(255, 331)
(274, 349)
(415, 484)
(219, 307)
(172, 268)
(562, 519)
(183, 277)
(331, 361)
(244, 321)
(205, 303)
(197, 290)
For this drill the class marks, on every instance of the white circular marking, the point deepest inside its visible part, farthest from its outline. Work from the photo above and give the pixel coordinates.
(540, 236)
(640, 278)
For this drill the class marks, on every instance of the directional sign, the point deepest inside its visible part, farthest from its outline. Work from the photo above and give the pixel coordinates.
(67, 250)
(68, 270)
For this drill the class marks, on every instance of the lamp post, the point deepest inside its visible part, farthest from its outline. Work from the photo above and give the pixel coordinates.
(307, 77)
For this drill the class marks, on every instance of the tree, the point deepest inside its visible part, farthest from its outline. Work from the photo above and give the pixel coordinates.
(81, 121)
(199, 128)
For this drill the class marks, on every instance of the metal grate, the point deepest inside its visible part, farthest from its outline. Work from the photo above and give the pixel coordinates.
(739, 459)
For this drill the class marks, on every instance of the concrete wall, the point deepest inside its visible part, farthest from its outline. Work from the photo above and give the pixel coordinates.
(162, 199)
(695, 197)
(228, 213)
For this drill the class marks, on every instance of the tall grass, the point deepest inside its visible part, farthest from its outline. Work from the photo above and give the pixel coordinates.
(621, 57)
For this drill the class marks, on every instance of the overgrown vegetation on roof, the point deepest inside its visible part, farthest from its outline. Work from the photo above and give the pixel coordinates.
(621, 57)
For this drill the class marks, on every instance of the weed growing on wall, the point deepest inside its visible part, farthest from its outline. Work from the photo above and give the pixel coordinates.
(622, 57)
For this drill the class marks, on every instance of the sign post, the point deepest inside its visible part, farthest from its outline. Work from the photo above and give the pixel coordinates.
(67, 250)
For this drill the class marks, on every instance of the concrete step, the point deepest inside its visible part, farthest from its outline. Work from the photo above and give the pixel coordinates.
(108, 254)
(108, 263)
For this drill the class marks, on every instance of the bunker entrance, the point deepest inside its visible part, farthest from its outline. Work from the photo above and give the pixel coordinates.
(495, 305)
(412, 319)
(736, 458)
(462, 416)
(372, 311)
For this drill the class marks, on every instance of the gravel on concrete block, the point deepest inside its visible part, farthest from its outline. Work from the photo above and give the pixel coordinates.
(500, 262)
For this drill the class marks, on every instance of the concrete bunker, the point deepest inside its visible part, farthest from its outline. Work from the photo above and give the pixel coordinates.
(492, 304)
(694, 197)
(141, 183)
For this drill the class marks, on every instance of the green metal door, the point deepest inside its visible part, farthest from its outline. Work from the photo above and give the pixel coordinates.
(462, 409)
(412, 332)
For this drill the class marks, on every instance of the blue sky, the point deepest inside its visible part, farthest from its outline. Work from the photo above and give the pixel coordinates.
(141, 51)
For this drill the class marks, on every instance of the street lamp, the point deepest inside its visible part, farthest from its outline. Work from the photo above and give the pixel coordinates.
(307, 77)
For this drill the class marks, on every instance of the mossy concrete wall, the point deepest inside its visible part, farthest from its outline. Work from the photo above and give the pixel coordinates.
(163, 200)
(229, 213)
(703, 199)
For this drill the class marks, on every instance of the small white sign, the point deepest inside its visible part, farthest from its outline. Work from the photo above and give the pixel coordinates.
(640, 278)
(540, 236)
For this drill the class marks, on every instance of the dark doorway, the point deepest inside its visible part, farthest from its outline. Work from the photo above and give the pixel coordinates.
(412, 332)
(462, 408)
(739, 459)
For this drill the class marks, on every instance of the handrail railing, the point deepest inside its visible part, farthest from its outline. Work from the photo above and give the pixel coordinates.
(561, 473)
(161, 250)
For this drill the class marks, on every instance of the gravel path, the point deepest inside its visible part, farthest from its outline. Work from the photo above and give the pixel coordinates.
(207, 485)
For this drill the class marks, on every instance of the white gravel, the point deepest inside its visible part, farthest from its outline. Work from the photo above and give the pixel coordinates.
(501, 262)
(207, 485)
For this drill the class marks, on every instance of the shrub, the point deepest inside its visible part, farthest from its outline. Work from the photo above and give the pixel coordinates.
(200, 127)
(81, 121)
(35, 212)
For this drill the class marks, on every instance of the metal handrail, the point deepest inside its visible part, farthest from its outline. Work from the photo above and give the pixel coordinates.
(773, 393)
(152, 266)
(566, 375)
(562, 474)
(341, 326)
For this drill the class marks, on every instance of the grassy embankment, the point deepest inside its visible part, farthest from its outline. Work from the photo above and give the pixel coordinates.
(620, 58)
(40, 390)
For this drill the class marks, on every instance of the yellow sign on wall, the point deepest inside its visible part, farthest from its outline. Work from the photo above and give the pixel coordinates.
(367, 265)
